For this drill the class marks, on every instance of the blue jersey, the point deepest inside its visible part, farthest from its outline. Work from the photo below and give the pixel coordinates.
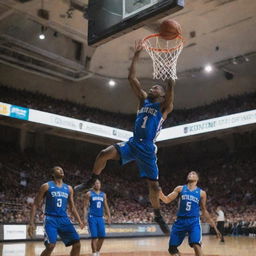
(96, 204)
(148, 121)
(56, 200)
(189, 202)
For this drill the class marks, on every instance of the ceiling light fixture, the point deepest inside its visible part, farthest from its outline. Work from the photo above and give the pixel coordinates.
(112, 83)
(208, 68)
(42, 34)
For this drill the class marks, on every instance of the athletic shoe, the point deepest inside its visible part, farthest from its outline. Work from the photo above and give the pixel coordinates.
(83, 187)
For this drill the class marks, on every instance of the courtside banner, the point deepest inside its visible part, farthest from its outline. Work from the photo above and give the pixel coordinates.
(18, 249)
(209, 125)
(78, 125)
(15, 232)
(113, 230)
(19, 112)
(5, 109)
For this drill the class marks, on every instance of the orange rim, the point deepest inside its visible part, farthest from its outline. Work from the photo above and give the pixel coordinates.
(164, 49)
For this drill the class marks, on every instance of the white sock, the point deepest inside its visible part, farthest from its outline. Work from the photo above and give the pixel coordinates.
(94, 254)
(98, 254)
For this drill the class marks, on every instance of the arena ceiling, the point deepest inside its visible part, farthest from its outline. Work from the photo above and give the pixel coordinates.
(219, 32)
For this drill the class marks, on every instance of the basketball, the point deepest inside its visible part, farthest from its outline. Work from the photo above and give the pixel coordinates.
(169, 29)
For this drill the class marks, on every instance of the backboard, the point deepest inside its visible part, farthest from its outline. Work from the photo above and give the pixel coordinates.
(108, 19)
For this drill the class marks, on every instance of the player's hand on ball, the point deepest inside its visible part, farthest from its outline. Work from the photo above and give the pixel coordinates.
(31, 230)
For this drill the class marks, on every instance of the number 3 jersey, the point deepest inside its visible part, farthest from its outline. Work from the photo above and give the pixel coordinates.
(189, 202)
(96, 204)
(148, 122)
(56, 200)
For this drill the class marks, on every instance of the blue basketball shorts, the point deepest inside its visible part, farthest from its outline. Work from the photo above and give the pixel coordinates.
(96, 226)
(146, 161)
(183, 226)
(62, 226)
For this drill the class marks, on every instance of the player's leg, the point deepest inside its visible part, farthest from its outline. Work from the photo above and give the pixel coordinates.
(99, 245)
(109, 153)
(120, 151)
(198, 250)
(48, 250)
(154, 190)
(93, 230)
(94, 246)
(50, 235)
(101, 233)
(220, 227)
(69, 235)
(75, 251)
(148, 169)
(177, 236)
(195, 236)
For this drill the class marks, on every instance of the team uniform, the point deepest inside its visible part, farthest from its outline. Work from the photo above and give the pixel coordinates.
(188, 218)
(56, 220)
(95, 215)
(141, 147)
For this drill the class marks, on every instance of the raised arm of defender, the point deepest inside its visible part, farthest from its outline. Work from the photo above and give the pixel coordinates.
(134, 82)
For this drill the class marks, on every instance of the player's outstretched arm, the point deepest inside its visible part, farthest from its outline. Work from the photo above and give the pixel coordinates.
(167, 105)
(73, 207)
(106, 207)
(206, 214)
(86, 205)
(36, 204)
(134, 82)
(172, 196)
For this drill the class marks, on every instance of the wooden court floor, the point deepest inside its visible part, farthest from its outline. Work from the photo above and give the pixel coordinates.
(234, 246)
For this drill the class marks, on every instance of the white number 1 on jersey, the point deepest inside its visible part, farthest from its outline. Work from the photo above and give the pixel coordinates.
(145, 121)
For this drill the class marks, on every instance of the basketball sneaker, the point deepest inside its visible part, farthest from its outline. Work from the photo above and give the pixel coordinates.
(83, 187)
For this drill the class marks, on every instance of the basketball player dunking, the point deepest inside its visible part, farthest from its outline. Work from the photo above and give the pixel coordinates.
(58, 196)
(153, 110)
(191, 200)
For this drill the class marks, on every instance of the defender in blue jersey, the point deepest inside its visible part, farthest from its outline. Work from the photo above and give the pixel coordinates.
(58, 196)
(192, 199)
(96, 201)
(154, 108)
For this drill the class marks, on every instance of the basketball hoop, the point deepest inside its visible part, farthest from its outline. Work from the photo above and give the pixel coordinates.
(164, 54)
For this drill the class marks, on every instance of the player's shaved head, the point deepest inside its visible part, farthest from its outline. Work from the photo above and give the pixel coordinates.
(156, 91)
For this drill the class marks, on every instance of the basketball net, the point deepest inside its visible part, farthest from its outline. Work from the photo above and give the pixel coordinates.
(164, 54)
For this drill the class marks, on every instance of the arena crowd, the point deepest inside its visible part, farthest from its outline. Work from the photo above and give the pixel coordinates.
(230, 105)
(231, 185)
